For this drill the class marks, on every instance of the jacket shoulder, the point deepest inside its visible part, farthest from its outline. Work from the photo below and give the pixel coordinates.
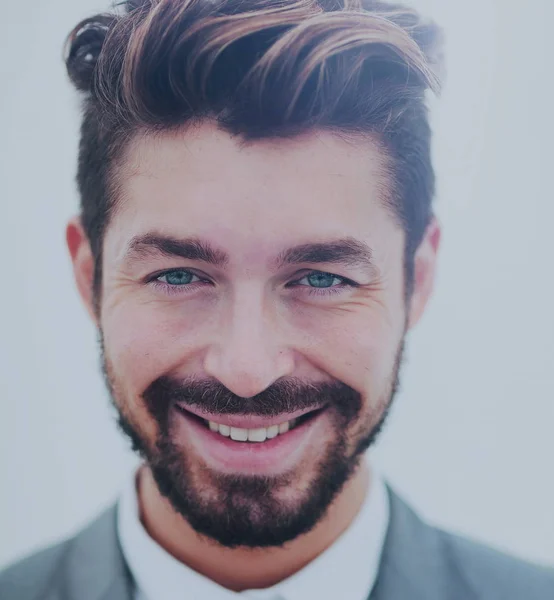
(34, 576)
(86, 566)
(492, 574)
(423, 562)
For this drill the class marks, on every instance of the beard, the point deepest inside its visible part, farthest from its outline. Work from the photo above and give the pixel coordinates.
(240, 510)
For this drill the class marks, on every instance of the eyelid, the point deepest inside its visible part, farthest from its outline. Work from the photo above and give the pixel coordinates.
(176, 271)
(167, 288)
(345, 280)
(156, 276)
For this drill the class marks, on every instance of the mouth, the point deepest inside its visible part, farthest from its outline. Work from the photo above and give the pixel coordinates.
(240, 429)
(249, 443)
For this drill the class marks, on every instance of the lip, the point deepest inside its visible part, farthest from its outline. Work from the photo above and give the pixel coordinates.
(246, 421)
(272, 457)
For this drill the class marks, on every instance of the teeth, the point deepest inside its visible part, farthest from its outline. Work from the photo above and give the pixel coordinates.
(238, 434)
(284, 427)
(251, 435)
(257, 435)
(272, 432)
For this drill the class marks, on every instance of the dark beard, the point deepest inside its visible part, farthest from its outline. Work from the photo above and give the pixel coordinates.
(246, 510)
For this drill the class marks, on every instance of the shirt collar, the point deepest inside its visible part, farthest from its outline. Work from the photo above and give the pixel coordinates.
(350, 563)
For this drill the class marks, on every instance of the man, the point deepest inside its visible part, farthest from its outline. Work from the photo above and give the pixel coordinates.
(256, 238)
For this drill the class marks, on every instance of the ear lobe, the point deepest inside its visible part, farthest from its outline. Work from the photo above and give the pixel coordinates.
(83, 263)
(425, 264)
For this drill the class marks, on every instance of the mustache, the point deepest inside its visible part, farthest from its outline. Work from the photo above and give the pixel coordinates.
(283, 396)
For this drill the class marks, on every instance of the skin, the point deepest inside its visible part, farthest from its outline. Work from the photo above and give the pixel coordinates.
(248, 327)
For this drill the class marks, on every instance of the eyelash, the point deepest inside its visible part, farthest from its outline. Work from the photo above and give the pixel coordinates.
(330, 291)
(191, 287)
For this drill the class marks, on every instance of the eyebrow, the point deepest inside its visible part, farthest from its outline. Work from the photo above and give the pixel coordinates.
(191, 249)
(347, 251)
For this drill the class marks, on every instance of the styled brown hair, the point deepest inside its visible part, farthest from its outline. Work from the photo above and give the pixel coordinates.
(260, 69)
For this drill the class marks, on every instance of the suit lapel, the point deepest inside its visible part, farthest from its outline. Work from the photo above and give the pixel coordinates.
(414, 563)
(94, 568)
(120, 589)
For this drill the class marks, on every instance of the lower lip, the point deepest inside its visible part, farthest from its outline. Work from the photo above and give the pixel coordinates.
(271, 457)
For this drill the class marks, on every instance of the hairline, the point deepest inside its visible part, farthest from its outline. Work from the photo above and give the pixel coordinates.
(120, 169)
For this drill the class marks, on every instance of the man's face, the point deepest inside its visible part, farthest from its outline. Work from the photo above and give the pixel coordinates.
(252, 286)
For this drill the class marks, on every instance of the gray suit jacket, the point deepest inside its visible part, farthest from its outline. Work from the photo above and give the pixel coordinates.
(419, 563)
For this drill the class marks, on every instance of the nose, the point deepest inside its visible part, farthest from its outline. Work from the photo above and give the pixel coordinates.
(247, 354)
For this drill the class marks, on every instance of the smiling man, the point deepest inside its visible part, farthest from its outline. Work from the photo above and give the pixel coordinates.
(256, 238)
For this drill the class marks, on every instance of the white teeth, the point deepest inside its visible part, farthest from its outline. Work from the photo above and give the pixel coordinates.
(257, 435)
(238, 434)
(272, 432)
(284, 427)
(252, 435)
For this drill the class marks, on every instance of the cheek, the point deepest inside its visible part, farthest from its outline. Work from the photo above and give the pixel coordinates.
(359, 348)
(147, 340)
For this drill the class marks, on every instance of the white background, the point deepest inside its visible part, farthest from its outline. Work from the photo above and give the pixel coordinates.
(470, 442)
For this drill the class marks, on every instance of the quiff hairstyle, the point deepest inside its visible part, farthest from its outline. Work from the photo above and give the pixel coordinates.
(259, 69)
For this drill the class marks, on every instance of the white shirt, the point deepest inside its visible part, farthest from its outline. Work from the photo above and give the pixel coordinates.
(347, 569)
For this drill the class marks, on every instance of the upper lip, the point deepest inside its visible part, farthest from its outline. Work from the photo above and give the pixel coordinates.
(246, 421)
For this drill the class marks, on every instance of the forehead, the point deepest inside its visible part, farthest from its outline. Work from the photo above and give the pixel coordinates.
(204, 182)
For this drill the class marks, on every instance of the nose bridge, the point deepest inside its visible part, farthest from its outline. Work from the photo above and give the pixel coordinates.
(248, 353)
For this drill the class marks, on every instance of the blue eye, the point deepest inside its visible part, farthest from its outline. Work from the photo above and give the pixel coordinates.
(315, 283)
(318, 279)
(321, 284)
(177, 278)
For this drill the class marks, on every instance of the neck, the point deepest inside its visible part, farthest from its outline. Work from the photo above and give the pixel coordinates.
(239, 569)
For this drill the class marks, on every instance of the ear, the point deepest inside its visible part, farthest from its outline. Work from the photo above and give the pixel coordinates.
(83, 263)
(425, 264)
